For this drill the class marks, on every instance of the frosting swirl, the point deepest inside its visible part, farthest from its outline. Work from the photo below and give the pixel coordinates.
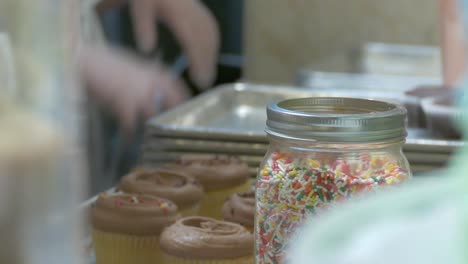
(214, 172)
(180, 188)
(132, 214)
(206, 238)
(240, 208)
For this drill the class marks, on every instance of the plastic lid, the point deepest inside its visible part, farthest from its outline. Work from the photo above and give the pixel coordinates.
(335, 119)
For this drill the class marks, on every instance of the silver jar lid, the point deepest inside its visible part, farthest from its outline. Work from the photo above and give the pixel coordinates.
(335, 119)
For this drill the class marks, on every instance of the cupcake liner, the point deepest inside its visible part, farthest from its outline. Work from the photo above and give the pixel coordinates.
(250, 228)
(190, 211)
(168, 259)
(111, 248)
(212, 204)
(252, 182)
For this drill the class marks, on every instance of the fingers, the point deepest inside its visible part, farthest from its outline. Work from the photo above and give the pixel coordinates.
(128, 118)
(143, 13)
(149, 105)
(177, 94)
(129, 87)
(119, 81)
(197, 31)
(171, 90)
(193, 25)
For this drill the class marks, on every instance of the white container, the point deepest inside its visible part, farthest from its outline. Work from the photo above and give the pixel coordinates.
(442, 116)
(413, 103)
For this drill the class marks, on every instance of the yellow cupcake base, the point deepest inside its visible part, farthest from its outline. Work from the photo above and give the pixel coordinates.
(250, 228)
(167, 259)
(252, 183)
(212, 204)
(191, 211)
(111, 248)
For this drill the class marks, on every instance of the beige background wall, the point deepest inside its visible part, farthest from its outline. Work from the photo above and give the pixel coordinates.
(283, 36)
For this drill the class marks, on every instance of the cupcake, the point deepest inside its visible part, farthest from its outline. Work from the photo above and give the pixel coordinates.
(221, 176)
(186, 192)
(126, 228)
(240, 209)
(201, 240)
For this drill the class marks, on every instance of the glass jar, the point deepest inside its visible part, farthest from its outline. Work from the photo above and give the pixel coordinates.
(322, 152)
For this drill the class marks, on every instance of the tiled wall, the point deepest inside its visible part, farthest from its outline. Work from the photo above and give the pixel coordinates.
(283, 36)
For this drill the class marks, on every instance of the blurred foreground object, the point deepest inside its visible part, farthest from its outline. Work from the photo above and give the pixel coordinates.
(421, 223)
(41, 159)
(29, 152)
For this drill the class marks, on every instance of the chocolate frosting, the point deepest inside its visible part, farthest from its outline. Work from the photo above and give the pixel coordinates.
(206, 238)
(240, 208)
(132, 214)
(178, 187)
(214, 172)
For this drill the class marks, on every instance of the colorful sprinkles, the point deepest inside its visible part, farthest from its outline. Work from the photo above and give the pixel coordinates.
(290, 189)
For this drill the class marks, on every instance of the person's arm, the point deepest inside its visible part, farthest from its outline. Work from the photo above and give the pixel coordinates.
(129, 87)
(191, 22)
(452, 42)
(104, 5)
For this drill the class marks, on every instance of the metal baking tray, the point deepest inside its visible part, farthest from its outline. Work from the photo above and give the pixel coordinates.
(421, 162)
(172, 145)
(236, 113)
(416, 143)
(251, 160)
(195, 145)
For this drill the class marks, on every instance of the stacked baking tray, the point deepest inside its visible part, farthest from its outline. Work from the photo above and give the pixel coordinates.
(231, 120)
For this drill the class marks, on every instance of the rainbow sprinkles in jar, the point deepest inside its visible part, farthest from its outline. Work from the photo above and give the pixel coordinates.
(323, 151)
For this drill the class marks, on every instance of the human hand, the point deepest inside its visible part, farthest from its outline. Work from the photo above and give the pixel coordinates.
(129, 87)
(192, 24)
(452, 42)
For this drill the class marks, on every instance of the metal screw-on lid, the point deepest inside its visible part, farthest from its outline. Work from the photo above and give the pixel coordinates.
(334, 119)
